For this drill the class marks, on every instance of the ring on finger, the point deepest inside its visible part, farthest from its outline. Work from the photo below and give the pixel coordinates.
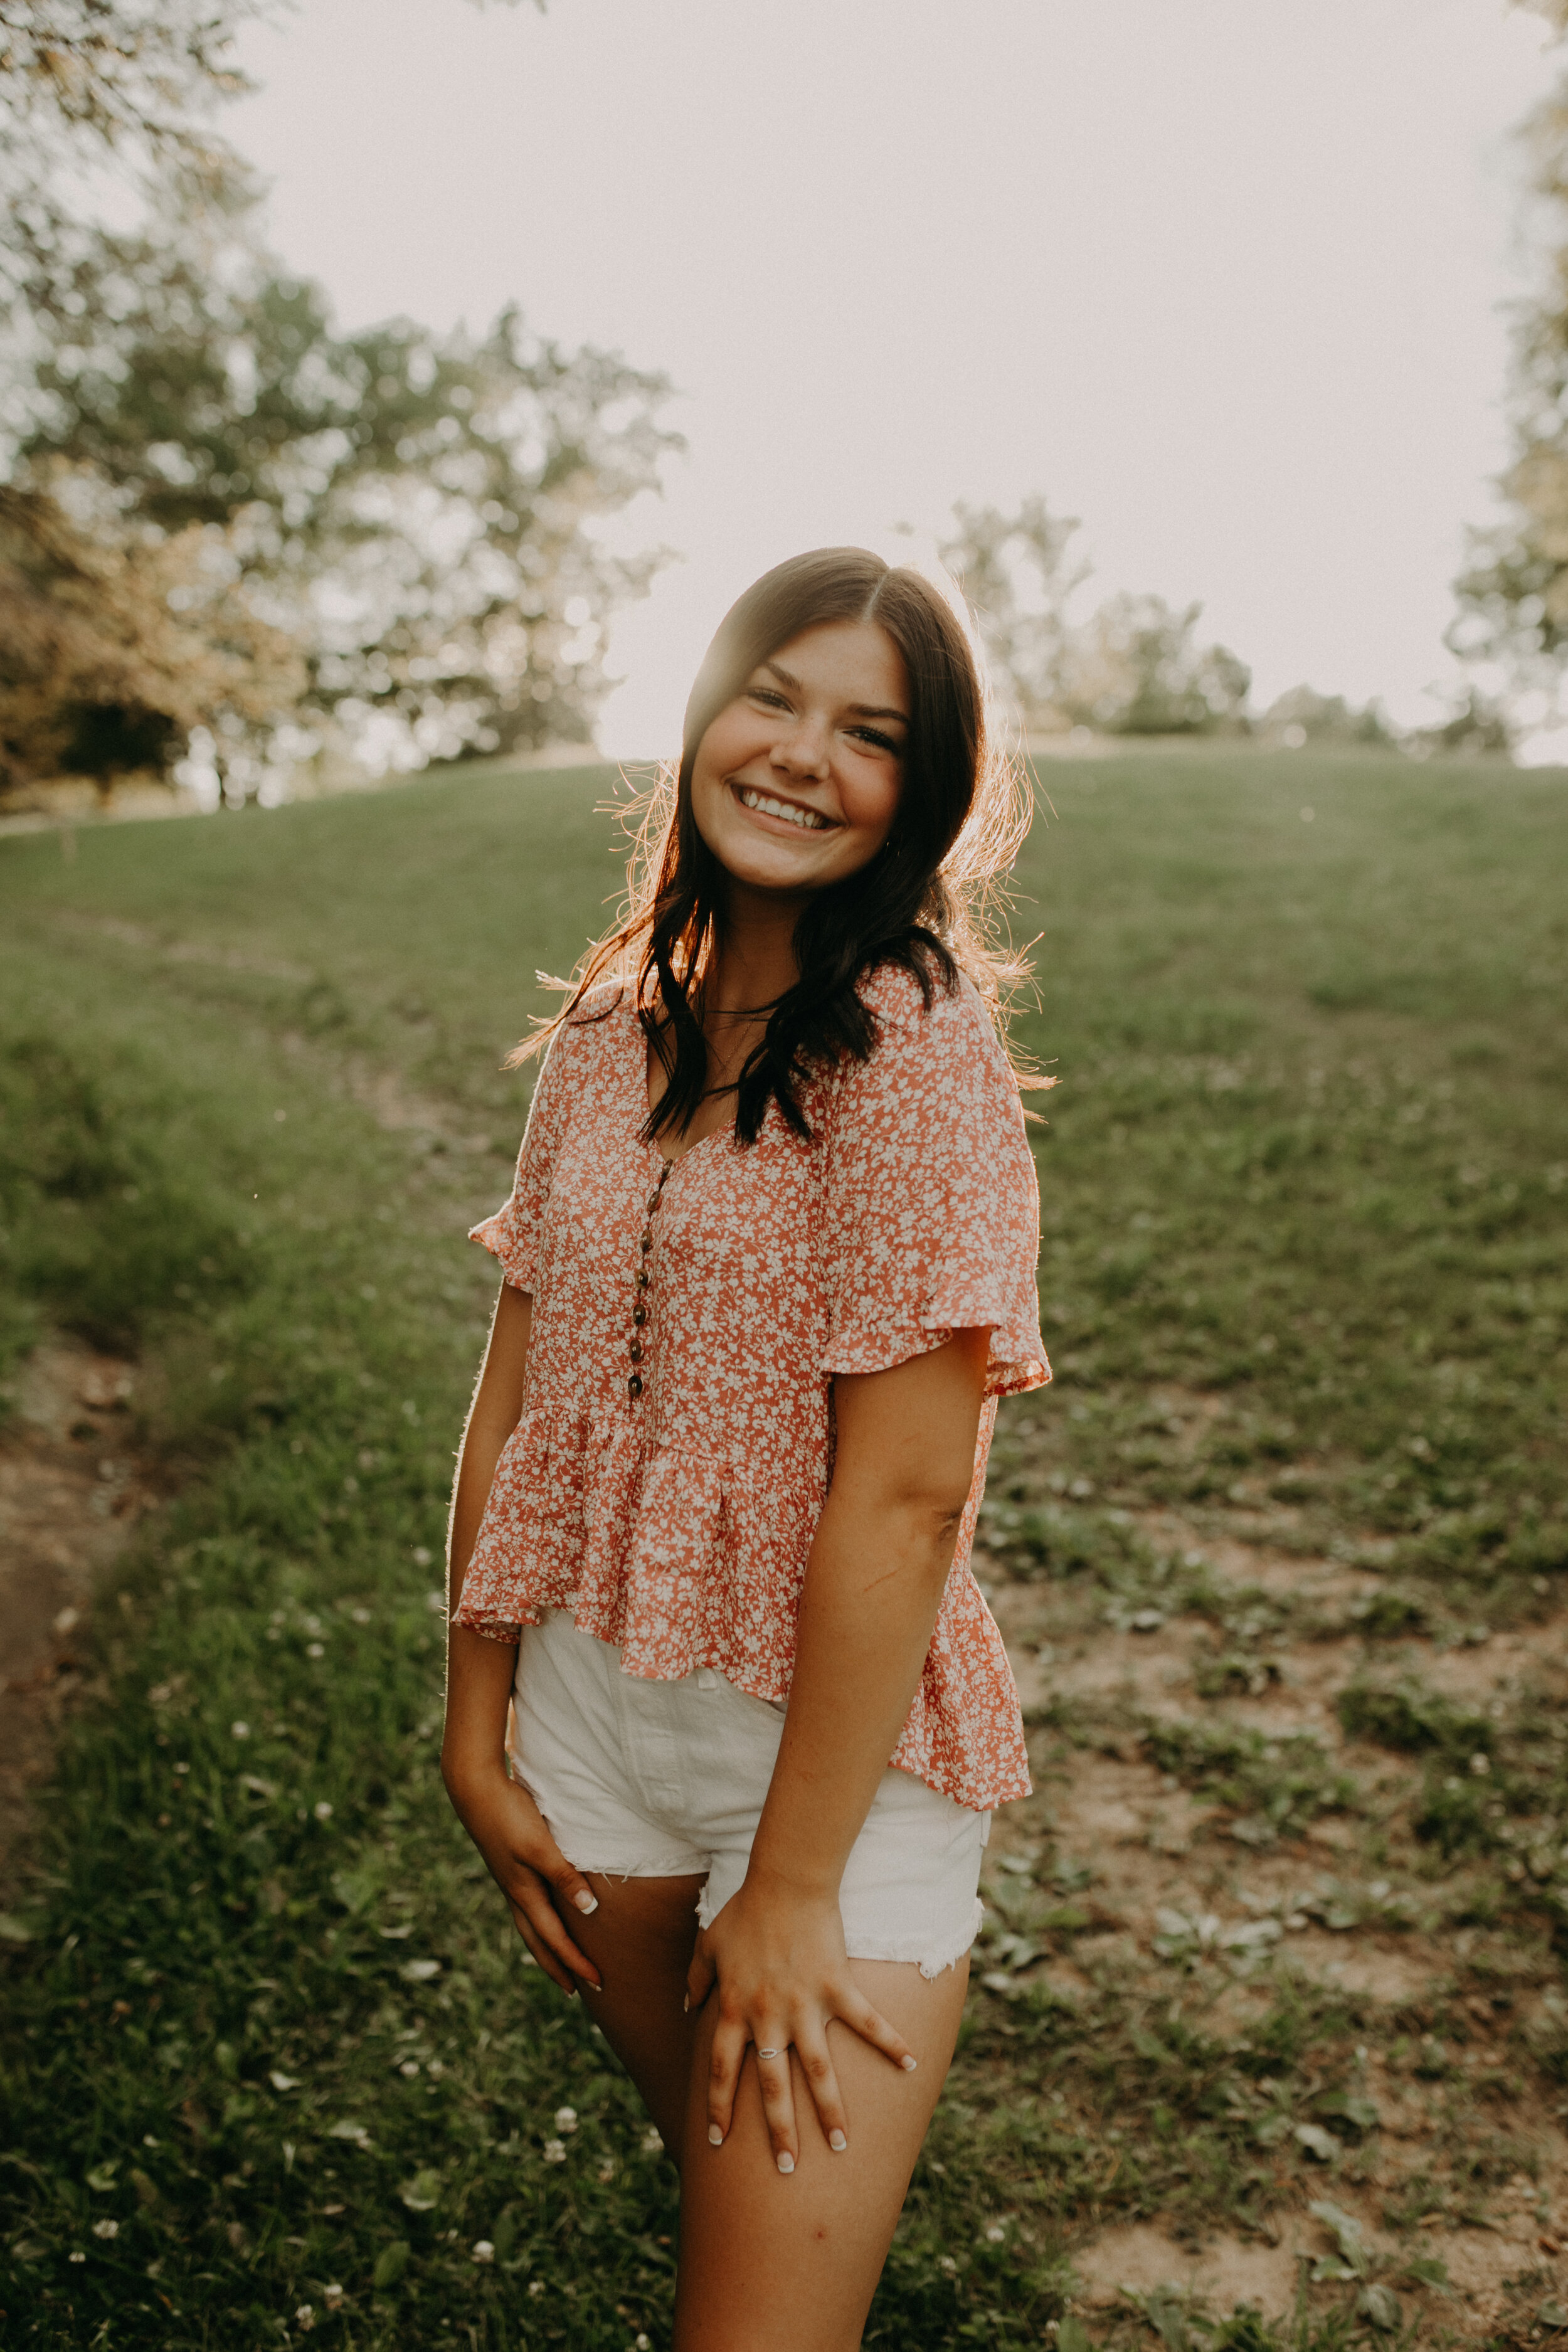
(768, 2053)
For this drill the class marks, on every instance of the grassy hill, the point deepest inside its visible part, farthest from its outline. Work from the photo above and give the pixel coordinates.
(1279, 1557)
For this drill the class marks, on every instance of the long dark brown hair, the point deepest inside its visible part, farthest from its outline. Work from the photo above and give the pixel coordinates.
(925, 903)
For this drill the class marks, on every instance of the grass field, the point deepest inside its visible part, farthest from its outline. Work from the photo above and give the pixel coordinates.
(1281, 1558)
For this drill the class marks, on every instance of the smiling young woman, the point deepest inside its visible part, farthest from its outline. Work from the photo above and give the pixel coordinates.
(726, 1715)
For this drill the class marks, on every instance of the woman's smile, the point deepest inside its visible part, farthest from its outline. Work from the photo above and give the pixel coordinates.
(782, 812)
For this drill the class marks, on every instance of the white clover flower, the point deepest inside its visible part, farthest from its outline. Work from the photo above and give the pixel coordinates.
(945, 2263)
(652, 2142)
(535, 2286)
(566, 2119)
(481, 2251)
(554, 2151)
(996, 2233)
(332, 2295)
(323, 1810)
(239, 1730)
(106, 2229)
(76, 2258)
(305, 2318)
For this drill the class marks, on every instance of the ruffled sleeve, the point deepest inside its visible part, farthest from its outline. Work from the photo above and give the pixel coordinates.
(512, 1233)
(931, 1209)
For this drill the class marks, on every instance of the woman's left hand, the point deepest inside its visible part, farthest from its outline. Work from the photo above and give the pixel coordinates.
(777, 1959)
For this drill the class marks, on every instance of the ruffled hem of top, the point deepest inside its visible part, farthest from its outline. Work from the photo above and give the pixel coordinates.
(668, 1557)
(675, 1562)
(1018, 1359)
(519, 1263)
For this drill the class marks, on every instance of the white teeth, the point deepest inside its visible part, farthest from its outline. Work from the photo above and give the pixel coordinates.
(807, 819)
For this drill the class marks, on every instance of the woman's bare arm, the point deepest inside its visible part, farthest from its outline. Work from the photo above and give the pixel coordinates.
(500, 1817)
(902, 1471)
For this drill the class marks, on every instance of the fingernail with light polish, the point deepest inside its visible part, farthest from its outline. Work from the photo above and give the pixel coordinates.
(715, 2137)
(836, 2142)
(909, 2064)
(584, 1901)
(686, 2004)
(786, 2161)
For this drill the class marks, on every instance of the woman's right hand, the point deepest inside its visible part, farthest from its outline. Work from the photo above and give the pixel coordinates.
(530, 1868)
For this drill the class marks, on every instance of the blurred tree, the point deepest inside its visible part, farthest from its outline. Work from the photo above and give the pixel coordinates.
(1514, 593)
(418, 509)
(1303, 715)
(129, 84)
(1135, 668)
(113, 648)
(1132, 669)
(1019, 573)
(1477, 727)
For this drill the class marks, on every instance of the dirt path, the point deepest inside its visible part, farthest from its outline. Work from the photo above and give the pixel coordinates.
(70, 1493)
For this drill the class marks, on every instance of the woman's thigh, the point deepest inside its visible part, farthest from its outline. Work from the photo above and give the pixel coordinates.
(640, 1940)
(771, 2263)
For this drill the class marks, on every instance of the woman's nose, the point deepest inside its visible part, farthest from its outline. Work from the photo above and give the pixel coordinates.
(802, 750)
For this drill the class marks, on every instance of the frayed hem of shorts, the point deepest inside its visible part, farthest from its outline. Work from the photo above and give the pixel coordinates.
(930, 1965)
(662, 1866)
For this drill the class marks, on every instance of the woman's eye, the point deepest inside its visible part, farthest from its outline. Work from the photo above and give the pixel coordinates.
(874, 735)
(766, 694)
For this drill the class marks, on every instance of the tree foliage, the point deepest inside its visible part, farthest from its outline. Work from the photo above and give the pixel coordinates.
(115, 646)
(1132, 668)
(1019, 573)
(417, 512)
(1514, 593)
(416, 508)
(133, 84)
(1301, 715)
(205, 471)
(1136, 668)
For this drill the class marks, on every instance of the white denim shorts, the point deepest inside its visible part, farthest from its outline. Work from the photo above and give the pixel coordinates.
(667, 1780)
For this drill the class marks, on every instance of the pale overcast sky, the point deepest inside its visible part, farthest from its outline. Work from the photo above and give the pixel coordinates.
(1223, 277)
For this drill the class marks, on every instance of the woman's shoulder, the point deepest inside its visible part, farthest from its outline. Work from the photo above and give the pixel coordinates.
(593, 1025)
(930, 1058)
(585, 1042)
(953, 1016)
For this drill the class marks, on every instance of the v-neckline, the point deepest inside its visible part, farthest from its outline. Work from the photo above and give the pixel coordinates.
(640, 1078)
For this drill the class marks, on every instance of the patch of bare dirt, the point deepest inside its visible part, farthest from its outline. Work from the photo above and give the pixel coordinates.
(70, 1493)
(1139, 2258)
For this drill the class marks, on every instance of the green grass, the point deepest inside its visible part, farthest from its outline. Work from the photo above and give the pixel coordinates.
(1303, 1189)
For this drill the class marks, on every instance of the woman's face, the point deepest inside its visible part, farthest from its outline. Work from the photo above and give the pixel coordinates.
(796, 782)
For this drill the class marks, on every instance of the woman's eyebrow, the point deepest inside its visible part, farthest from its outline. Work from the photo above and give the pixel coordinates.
(858, 709)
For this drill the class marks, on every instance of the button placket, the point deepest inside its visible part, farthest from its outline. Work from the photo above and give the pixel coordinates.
(642, 1286)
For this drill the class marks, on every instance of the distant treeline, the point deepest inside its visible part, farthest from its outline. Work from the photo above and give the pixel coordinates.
(239, 545)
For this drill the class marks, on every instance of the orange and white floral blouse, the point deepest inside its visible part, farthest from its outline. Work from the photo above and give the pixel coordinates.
(668, 1498)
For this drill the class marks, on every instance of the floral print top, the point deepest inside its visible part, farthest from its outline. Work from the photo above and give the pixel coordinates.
(665, 1481)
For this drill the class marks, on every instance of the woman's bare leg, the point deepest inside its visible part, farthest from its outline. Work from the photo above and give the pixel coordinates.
(640, 1940)
(771, 2264)
(768, 2263)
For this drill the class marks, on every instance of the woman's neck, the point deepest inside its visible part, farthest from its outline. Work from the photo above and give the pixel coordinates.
(753, 963)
